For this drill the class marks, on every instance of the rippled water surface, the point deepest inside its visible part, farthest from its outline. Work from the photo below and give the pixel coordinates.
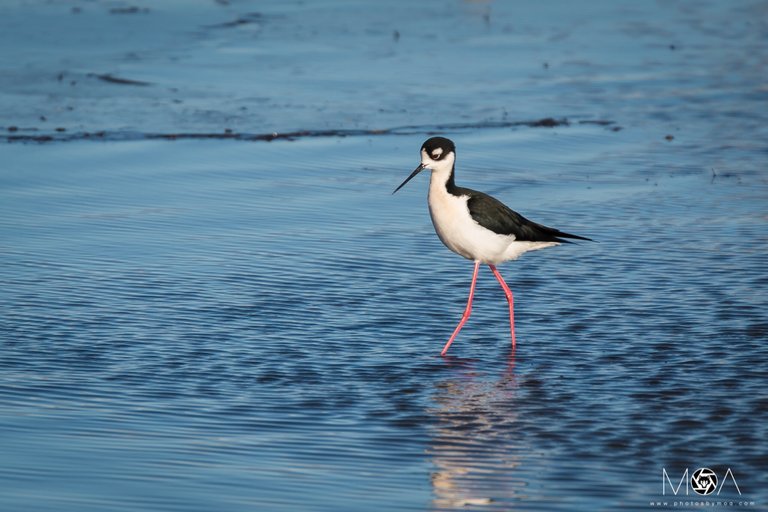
(199, 325)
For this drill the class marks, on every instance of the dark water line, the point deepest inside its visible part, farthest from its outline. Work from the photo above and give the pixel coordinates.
(120, 136)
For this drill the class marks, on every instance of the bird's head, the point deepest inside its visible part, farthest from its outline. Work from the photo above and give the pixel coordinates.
(438, 154)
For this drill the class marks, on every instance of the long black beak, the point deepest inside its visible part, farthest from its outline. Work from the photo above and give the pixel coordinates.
(409, 178)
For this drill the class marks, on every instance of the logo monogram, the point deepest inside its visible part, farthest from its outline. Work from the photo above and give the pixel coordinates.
(703, 481)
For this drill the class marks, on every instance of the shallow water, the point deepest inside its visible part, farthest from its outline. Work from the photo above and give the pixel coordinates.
(228, 325)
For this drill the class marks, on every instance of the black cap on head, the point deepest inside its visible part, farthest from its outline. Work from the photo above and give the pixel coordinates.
(436, 148)
(434, 143)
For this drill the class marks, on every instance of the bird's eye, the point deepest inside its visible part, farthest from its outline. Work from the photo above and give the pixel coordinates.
(436, 155)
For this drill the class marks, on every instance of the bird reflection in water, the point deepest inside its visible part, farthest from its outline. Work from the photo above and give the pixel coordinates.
(476, 446)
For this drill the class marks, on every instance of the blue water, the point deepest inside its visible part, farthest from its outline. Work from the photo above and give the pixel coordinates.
(223, 325)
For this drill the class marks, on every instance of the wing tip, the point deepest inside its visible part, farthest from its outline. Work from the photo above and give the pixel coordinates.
(563, 236)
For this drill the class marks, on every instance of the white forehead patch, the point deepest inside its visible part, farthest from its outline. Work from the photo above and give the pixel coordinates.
(437, 152)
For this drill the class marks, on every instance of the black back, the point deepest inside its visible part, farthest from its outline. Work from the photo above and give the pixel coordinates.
(494, 215)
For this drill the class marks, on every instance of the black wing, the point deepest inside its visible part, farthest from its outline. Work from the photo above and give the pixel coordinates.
(499, 218)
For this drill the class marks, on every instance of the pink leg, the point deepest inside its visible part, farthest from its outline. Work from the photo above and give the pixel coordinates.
(510, 299)
(467, 310)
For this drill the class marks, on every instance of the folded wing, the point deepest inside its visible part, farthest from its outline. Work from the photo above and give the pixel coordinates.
(499, 218)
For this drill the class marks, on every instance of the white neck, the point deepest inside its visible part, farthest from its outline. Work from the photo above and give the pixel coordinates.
(442, 170)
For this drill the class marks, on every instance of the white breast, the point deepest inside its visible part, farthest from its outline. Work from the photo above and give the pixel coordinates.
(461, 234)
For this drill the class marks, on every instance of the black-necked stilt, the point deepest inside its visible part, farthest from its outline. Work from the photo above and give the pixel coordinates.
(477, 226)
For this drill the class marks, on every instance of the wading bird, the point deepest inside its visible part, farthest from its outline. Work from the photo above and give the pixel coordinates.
(477, 226)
